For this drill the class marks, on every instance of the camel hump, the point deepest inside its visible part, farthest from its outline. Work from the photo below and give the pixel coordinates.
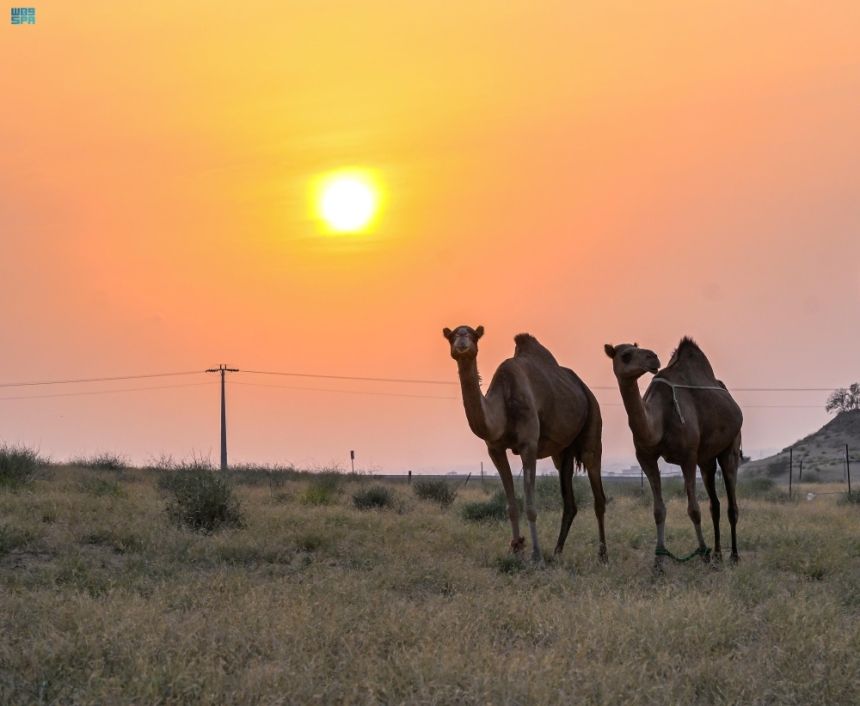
(526, 344)
(688, 355)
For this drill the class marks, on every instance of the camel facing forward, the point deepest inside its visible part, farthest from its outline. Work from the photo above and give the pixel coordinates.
(689, 418)
(536, 408)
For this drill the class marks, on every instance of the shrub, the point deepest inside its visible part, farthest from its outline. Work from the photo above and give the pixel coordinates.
(101, 462)
(760, 488)
(18, 466)
(101, 487)
(322, 489)
(376, 496)
(272, 476)
(755, 486)
(852, 498)
(496, 508)
(439, 491)
(202, 499)
(12, 538)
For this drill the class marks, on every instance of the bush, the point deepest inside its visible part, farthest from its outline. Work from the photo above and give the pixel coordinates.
(548, 492)
(202, 499)
(271, 476)
(376, 496)
(101, 487)
(496, 508)
(12, 538)
(755, 486)
(439, 491)
(322, 489)
(760, 488)
(101, 462)
(18, 466)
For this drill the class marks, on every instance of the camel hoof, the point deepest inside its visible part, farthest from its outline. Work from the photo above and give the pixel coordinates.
(518, 545)
(602, 556)
(734, 559)
(537, 558)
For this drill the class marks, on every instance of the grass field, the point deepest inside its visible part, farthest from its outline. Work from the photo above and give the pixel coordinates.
(105, 600)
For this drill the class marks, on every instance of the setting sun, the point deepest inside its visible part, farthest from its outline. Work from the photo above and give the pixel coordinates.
(347, 202)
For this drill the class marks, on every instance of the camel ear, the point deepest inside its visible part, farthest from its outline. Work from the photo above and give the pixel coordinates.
(610, 350)
(446, 332)
(479, 331)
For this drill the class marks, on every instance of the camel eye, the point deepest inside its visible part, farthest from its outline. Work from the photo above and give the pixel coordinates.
(625, 358)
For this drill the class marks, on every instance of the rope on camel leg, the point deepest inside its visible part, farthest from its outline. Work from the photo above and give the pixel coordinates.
(701, 551)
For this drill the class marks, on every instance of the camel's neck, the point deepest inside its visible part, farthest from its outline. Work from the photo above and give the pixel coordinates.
(645, 428)
(484, 419)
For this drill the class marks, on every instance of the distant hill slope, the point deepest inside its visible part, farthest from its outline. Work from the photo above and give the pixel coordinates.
(822, 453)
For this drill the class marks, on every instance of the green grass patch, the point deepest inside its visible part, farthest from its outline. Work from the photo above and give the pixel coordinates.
(376, 497)
(200, 499)
(435, 490)
(18, 466)
(102, 487)
(101, 462)
(322, 489)
(491, 510)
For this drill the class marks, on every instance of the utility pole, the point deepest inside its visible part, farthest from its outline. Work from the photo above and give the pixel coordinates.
(223, 369)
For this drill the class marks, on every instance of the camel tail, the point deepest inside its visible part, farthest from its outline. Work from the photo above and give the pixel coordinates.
(588, 444)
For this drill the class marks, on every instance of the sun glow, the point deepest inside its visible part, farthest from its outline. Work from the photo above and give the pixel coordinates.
(347, 201)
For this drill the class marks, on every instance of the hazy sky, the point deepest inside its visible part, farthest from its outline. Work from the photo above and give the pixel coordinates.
(588, 172)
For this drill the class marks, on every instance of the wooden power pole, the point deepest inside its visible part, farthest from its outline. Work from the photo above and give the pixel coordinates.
(223, 369)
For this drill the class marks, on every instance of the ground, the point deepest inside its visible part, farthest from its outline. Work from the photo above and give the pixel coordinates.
(105, 601)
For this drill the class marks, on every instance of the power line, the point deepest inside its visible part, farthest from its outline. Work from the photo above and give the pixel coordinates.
(423, 381)
(352, 377)
(348, 392)
(105, 392)
(103, 379)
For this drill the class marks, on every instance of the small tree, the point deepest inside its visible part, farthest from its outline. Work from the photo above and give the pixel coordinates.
(844, 399)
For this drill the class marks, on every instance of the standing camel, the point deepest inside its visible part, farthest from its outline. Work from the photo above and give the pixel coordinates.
(689, 418)
(536, 408)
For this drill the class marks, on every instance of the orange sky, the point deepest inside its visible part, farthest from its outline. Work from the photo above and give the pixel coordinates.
(589, 172)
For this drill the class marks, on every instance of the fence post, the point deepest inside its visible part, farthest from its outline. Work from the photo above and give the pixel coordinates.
(409, 478)
(467, 479)
(800, 472)
(790, 464)
(848, 468)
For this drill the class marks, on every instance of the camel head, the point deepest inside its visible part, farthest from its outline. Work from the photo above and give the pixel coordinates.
(631, 361)
(464, 341)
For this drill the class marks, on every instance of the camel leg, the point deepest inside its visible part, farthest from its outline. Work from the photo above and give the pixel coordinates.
(709, 477)
(565, 474)
(591, 461)
(695, 514)
(529, 457)
(652, 472)
(729, 465)
(499, 458)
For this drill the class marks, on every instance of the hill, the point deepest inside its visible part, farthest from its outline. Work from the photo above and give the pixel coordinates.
(822, 453)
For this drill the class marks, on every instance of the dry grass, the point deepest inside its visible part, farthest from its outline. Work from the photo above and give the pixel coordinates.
(104, 600)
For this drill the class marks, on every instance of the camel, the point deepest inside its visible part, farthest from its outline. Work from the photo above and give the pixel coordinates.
(536, 408)
(689, 418)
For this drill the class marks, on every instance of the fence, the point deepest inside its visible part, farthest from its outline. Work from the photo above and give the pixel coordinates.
(846, 476)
